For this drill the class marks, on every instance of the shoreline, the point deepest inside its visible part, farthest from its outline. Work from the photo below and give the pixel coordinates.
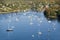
(15, 11)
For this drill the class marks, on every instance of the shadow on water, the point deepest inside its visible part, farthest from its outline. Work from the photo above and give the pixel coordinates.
(58, 18)
(52, 19)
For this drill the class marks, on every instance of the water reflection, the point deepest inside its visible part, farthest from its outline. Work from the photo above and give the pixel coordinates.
(28, 26)
(52, 19)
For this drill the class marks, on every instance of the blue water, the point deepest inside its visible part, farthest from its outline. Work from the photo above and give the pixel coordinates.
(27, 25)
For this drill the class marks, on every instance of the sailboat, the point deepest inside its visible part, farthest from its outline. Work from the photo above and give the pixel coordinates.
(9, 29)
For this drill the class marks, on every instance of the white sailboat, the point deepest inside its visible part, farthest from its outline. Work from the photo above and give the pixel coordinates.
(9, 28)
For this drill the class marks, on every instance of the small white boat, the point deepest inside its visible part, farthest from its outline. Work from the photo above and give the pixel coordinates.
(9, 30)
